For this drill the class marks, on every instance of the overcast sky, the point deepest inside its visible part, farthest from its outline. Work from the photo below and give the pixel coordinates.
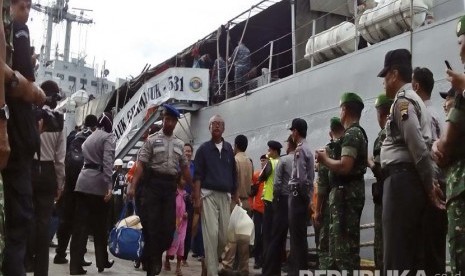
(129, 34)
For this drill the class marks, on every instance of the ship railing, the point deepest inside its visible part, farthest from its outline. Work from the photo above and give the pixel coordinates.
(288, 68)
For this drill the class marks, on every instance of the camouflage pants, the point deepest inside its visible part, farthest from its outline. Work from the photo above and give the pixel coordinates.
(456, 234)
(378, 247)
(344, 229)
(325, 260)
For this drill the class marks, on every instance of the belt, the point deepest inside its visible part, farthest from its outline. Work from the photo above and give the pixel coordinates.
(391, 169)
(164, 176)
(44, 162)
(93, 166)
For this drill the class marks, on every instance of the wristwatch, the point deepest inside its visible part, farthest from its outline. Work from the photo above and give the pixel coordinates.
(4, 112)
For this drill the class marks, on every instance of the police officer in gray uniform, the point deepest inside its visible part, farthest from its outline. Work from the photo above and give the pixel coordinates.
(301, 186)
(407, 163)
(160, 160)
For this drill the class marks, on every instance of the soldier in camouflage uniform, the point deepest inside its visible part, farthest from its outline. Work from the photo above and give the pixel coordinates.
(347, 195)
(321, 216)
(449, 153)
(383, 105)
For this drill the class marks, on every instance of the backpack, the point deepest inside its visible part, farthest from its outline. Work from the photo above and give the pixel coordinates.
(74, 160)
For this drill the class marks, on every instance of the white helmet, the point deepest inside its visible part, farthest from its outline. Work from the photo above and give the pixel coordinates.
(130, 164)
(118, 162)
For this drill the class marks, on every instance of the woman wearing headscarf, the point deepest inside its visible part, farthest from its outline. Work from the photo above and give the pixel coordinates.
(93, 192)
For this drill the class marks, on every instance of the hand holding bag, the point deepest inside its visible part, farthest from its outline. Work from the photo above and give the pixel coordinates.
(126, 242)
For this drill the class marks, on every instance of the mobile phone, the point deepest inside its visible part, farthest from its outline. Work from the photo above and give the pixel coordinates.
(448, 65)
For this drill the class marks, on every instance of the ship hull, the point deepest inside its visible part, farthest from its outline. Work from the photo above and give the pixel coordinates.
(265, 113)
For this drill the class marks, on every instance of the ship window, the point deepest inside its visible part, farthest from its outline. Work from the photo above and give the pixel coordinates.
(83, 81)
(48, 73)
(72, 78)
(93, 83)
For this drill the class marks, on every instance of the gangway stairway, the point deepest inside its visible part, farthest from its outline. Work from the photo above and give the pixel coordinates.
(135, 143)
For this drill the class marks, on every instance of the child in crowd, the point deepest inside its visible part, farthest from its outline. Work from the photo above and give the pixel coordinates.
(177, 246)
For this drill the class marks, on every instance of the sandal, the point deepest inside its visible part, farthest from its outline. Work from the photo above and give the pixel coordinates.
(185, 264)
(178, 271)
(167, 266)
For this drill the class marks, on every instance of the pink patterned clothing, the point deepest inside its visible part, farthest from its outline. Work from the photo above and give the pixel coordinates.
(177, 246)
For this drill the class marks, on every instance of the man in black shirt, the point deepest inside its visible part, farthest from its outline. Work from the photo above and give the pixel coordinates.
(24, 140)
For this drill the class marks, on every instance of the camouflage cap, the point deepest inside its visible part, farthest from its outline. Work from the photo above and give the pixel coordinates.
(383, 100)
(461, 26)
(334, 123)
(351, 97)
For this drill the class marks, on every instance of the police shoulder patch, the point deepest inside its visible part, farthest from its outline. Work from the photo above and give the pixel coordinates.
(403, 109)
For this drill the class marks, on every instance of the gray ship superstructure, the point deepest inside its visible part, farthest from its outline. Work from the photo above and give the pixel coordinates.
(71, 73)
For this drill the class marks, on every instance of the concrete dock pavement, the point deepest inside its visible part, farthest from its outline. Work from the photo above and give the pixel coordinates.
(123, 267)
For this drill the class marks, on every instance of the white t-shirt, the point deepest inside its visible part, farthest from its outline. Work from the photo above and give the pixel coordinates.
(219, 146)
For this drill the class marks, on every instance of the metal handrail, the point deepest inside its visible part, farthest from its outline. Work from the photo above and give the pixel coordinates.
(133, 141)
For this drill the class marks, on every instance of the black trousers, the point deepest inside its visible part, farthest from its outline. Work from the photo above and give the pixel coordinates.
(44, 184)
(67, 206)
(435, 227)
(66, 210)
(267, 225)
(298, 218)
(272, 262)
(190, 218)
(404, 202)
(258, 243)
(91, 216)
(159, 208)
(18, 218)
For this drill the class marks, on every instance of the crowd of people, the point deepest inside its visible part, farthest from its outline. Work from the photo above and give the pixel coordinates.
(186, 202)
(240, 60)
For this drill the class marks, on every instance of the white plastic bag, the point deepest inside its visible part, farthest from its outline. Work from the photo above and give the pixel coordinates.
(239, 224)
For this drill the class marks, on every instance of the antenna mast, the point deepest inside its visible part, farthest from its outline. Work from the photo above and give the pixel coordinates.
(56, 14)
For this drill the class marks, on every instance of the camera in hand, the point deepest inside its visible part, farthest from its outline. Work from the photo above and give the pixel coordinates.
(53, 120)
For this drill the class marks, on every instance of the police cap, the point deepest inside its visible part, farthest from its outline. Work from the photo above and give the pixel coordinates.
(450, 93)
(274, 145)
(383, 100)
(299, 124)
(171, 111)
(461, 26)
(400, 57)
(351, 97)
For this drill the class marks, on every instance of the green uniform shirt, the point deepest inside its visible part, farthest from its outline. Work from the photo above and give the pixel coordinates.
(377, 151)
(456, 171)
(355, 145)
(323, 175)
(324, 185)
